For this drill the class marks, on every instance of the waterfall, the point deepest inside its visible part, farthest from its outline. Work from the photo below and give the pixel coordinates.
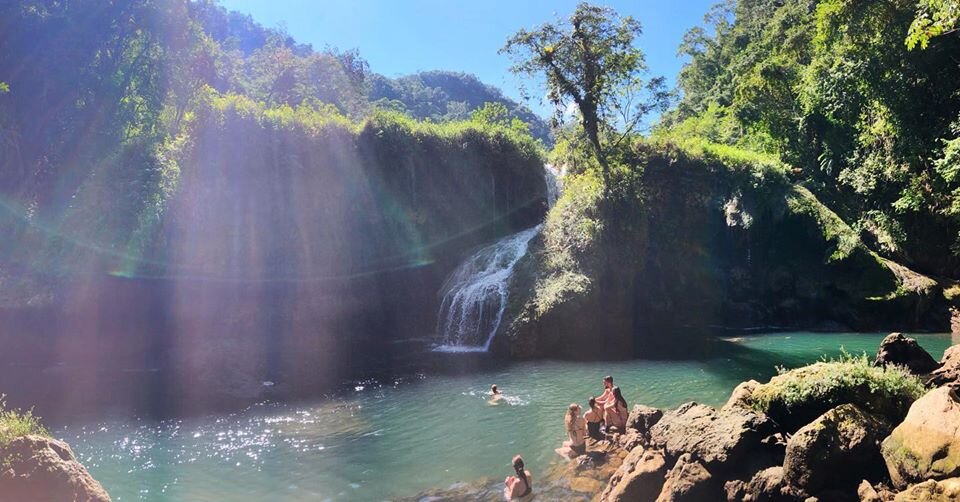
(475, 294)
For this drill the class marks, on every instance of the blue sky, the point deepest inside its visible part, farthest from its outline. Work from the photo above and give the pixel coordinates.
(402, 37)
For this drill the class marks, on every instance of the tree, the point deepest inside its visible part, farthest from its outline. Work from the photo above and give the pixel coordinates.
(590, 59)
(934, 18)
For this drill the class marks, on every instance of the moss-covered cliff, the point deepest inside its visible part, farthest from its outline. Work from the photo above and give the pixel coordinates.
(697, 236)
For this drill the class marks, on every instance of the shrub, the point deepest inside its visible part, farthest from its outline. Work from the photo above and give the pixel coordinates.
(796, 397)
(16, 423)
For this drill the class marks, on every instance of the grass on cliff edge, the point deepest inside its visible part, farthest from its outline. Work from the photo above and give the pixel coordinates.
(16, 423)
(828, 382)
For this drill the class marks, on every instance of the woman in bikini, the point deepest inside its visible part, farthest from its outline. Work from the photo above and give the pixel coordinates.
(576, 445)
(594, 419)
(615, 412)
(519, 487)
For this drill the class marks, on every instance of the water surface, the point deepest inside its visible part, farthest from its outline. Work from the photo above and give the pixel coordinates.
(382, 440)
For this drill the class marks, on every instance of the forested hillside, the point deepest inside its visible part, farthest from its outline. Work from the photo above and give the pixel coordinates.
(862, 99)
(107, 113)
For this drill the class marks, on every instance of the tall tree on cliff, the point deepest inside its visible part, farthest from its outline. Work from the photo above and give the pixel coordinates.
(590, 60)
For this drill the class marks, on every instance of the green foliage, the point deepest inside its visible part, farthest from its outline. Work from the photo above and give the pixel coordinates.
(830, 87)
(17, 423)
(934, 18)
(570, 233)
(496, 114)
(591, 61)
(851, 378)
(4, 88)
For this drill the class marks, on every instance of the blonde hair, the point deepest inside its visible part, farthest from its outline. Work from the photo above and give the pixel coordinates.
(568, 420)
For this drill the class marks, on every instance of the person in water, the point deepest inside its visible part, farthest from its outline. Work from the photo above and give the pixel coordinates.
(607, 395)
(615, 412)
(594, 419)
(518, 487)
(576, 445)
(495, 394)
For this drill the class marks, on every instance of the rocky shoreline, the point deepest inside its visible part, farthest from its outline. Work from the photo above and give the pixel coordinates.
(849, 430)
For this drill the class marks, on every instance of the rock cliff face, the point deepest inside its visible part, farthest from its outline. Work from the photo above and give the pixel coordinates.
(700, 247)
(43, 469)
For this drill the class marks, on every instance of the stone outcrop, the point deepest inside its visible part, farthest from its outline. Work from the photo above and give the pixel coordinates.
(927, 444)
(740, 398)
(642, 418)
(870, 493)
(688, 481)
(721, 439)
(897, 349)
(639, 478)
(947, 490)
(44, 469)
(949, 371)
(767, 485)
(837, 450)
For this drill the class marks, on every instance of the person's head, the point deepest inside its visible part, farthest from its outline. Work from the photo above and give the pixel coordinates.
(518, 466)
(618, 396)
(593, 403)
(493, 389)
(607, 382)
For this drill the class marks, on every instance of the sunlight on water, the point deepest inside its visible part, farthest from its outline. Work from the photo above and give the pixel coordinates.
(394, 440)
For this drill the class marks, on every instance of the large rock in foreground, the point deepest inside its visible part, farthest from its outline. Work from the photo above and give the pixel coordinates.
(639, 478)
(927, 444)
(689, 481)
(899, 350)
(947, 490)
(837, 450)
(723, 439)
(44, 469)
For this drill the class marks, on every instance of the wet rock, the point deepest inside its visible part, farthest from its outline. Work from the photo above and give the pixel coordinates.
(722, 439)
(642, 418)
(639, 479)
(897, 349)
(927, 444)
(837, 450)
(947, 490)
(869, 493)
(40, 468)
(949, 371)
(585, 484)
(688, 481)
(740, 398)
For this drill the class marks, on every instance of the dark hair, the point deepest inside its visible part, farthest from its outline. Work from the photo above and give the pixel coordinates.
(518, 468)
(592, 402)
(608, 378)
(493, 388)
(618, 396)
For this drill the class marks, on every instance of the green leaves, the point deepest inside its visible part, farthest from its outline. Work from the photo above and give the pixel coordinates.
(934, 18)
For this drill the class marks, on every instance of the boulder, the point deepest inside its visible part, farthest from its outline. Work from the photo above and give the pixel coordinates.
(723, 440)
(40, 468)
(870, 493)
(689, 481)
(642, 418)
(639, 478)
(927, 444)
(947, 490)
(949, 371)
(740, 398)
(767, 485)
(837, 450)
(899, 350)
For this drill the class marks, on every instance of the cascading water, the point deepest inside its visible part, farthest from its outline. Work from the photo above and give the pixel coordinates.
(475, 294)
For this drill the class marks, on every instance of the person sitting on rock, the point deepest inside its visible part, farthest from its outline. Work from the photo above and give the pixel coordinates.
(594, 419)
(615, 412)
(519, 487)
(607, 395)
(576, 445)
